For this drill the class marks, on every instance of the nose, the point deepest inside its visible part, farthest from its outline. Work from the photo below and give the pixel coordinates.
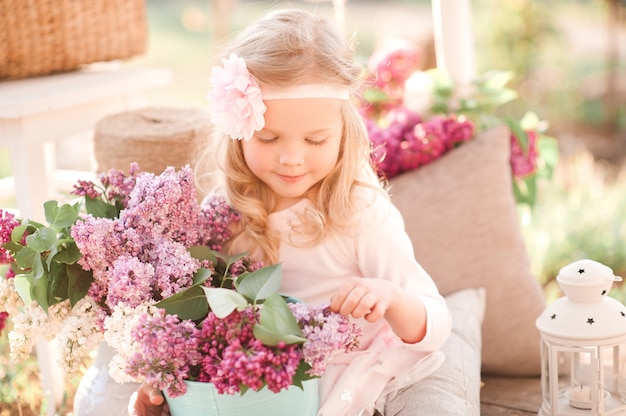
(291, 154)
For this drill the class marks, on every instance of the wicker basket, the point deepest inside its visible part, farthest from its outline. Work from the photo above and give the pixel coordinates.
(154, 137)
(39, 37)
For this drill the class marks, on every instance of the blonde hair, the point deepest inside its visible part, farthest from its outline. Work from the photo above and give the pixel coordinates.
(292, 47)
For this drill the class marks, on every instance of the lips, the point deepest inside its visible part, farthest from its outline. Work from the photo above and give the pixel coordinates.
(291, 178)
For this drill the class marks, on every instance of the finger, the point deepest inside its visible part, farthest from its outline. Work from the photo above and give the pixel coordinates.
(353, 300)
(337, 301)
(156, 397)
(364, 305)
(377, 312)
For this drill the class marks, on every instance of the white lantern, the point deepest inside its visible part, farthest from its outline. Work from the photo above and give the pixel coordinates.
(583, 345)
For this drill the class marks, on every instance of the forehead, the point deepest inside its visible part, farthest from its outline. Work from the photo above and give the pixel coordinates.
(303, 114)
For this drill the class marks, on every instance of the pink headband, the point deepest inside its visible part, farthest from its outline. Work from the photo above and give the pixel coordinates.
(236, 99)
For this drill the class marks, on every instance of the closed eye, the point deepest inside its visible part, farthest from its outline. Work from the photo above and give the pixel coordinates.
(266, 139)
(316, 142)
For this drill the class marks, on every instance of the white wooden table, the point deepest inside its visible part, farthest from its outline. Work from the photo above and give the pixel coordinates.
(37, 112)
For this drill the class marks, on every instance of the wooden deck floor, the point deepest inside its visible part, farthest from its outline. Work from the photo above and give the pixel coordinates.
(507, 396)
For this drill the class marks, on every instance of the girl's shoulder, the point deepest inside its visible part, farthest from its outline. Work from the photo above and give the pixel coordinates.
(373, 207)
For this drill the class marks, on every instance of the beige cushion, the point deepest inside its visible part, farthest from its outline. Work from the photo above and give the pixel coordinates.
(454, 389)
(460, 213)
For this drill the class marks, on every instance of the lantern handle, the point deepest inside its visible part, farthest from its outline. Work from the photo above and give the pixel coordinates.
(614, 278)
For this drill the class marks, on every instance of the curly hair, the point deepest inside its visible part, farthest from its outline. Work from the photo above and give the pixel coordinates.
(291, 47)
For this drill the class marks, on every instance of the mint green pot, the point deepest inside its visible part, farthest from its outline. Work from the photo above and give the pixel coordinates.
(202, 399)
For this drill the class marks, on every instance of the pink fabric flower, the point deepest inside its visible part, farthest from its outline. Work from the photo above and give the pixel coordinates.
(237, 107)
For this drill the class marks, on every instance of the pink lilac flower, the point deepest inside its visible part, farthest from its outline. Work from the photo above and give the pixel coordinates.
(130, 282)
(97, 241)
(392, 66)
(232, 356)
(407, 142)
(168, 350)
(7, 223)
(3, 319)
(86, 188)
(237, 107)
(524, 162)
(117, 186)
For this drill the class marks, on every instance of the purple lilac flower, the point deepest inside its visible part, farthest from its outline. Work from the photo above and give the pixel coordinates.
(119, 185)
(3, 318)
(129, 281)
(155, 229)
(97, 241)
(168, 349)
(214, 221)
(326, 333)
(164, 204)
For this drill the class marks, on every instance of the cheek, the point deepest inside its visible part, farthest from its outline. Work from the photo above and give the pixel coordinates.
(253, 157)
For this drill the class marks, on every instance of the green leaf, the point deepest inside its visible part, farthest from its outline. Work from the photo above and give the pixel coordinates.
(374, 95)
(79, 281)
(22, 287)
(39, 291)
(549, 151)
(495, 79)
(37, 268)
(70, 254)
(12, 247)
(223, 301)
(60, 216)
(201, 276)
(25, 258)
(59, 284)
(301, 374)
(277, 323)
(18, 232)
(100, 209)
(203, 253)
(191, 304)
(261, 283)
(43, 239)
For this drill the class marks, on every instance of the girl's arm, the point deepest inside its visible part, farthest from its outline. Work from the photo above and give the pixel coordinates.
(393, 286)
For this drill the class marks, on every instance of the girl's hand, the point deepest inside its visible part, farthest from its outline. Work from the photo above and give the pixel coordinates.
(363, 298)
(147, 401)
(373, 299)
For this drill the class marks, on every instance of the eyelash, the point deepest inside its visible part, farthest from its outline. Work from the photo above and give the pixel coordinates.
(262, 140)
(273, 139)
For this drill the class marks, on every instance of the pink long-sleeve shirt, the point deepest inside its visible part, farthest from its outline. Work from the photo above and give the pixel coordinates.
(378, 247)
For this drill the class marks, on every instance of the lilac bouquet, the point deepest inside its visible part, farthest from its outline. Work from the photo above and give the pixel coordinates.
(239, 336)
(414, 117)
(136, 262)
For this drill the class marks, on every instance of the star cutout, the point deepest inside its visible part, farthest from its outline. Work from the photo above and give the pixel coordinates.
(603, 292)
(590, 321)
(623, 314)
(581, 271)
(553, 317)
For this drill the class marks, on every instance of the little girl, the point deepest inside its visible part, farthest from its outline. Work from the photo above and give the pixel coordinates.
(295, 158)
